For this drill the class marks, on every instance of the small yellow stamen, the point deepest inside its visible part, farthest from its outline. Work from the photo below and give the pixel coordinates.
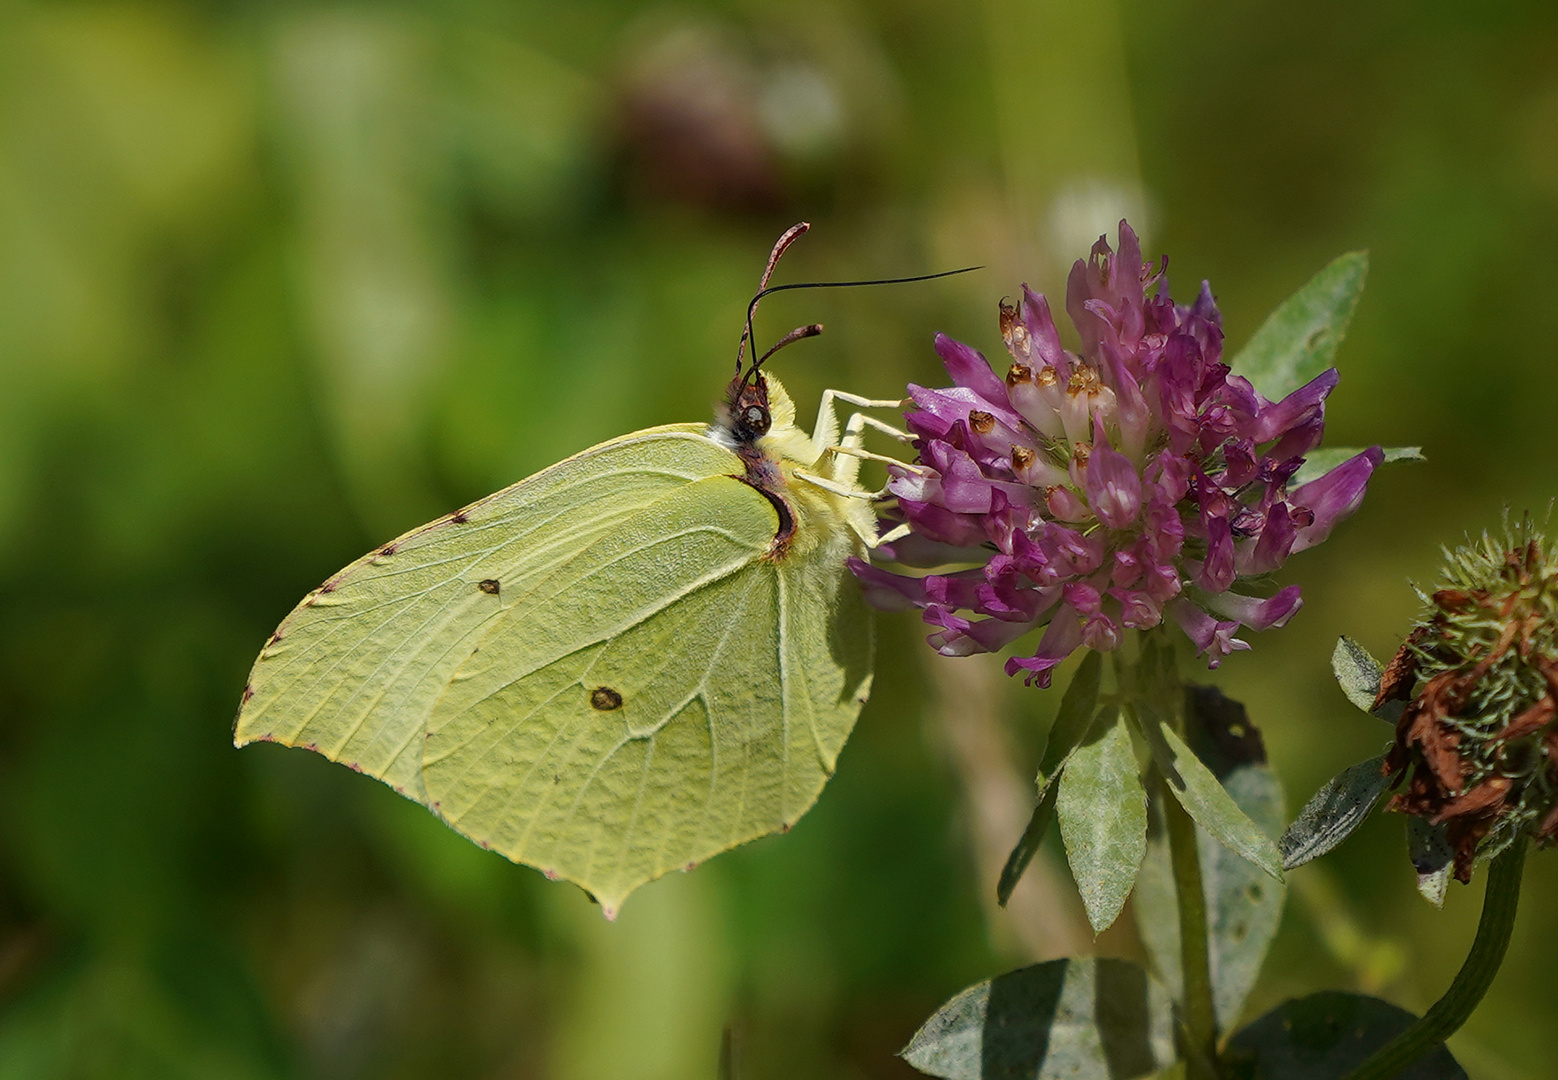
(1085, 380)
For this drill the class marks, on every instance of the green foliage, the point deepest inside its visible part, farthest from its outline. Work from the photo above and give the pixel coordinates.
(1334, 812)
(1357, 673)
(1321, 461)
(1205, 799)
(1344, 802)
(1243, 905)
(1299, 339)
(1073, 722)
(1075, 1019)
(1323, 1036)
(1103, 818)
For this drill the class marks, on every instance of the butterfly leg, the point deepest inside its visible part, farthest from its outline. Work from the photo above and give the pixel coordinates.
(838, 467)
(840, 478)
(850, 491)
(860, 421)
(858, 454)
(829, 397)
(850, 446)
(826, 429)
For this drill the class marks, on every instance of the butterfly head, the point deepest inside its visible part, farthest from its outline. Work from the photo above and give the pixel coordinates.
(744, 416)
(755, 410)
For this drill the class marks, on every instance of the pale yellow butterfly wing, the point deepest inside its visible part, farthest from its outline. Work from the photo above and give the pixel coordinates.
(664, 696)
(354, 671)
(604, 671)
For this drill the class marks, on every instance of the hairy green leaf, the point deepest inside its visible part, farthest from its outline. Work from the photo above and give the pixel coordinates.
(1334, 812)
(1093, 1019)
(1072, 723)
(1356, 672)
(1432, 857)
(1324, 1036)
(1243, 905)
(1298, 340)
(1103, 819)
(1205, 800)
(1319, 462)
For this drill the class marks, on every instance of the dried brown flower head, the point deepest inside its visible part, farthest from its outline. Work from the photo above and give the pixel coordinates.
(1476, 743)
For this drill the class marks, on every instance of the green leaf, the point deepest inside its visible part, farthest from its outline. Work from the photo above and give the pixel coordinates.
(1093, 1019)
(1324, 1036)
(1298, 340)
(1356, 672)
(1075, 717)
(1205, 800)
(1334, 812)
(1433, 858)
(1103, 819)
(1243, 906)
(1073, 721)
(1319, 462)
(1028, 844)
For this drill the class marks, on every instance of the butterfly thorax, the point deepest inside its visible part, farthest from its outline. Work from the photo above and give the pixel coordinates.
(757, 422)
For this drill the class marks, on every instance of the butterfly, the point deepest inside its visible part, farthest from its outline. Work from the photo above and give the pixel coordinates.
(633, 660)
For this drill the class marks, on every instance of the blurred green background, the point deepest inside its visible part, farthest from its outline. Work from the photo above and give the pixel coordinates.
(280, 280)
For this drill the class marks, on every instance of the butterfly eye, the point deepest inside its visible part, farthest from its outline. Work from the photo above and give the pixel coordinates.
(756, 418)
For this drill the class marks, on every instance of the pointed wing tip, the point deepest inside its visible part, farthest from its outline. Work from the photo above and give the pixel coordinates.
(610, 906)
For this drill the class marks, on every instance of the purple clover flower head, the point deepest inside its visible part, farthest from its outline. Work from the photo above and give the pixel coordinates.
(1108, 490)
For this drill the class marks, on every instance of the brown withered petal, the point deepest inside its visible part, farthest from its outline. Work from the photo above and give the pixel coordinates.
(1476, 802)
(1420, 726)
(1506, 638)
(1549, 670)
(1452, 600)
(1476, 748)
(1549, 827)
(1529, 722)
(1400, 674)
(1464, 836)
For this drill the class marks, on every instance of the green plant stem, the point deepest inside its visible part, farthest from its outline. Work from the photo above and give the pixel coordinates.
(1195, 965)
(1447, 1014)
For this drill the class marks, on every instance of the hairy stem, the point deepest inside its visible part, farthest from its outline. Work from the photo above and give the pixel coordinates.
(1447, 1014)
(1200, 1015)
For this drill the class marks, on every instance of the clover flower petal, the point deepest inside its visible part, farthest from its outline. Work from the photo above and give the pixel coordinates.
(1107, 489)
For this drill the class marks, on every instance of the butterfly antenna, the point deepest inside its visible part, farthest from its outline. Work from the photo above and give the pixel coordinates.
(789, 339)
(788, 237)
(816, 328)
